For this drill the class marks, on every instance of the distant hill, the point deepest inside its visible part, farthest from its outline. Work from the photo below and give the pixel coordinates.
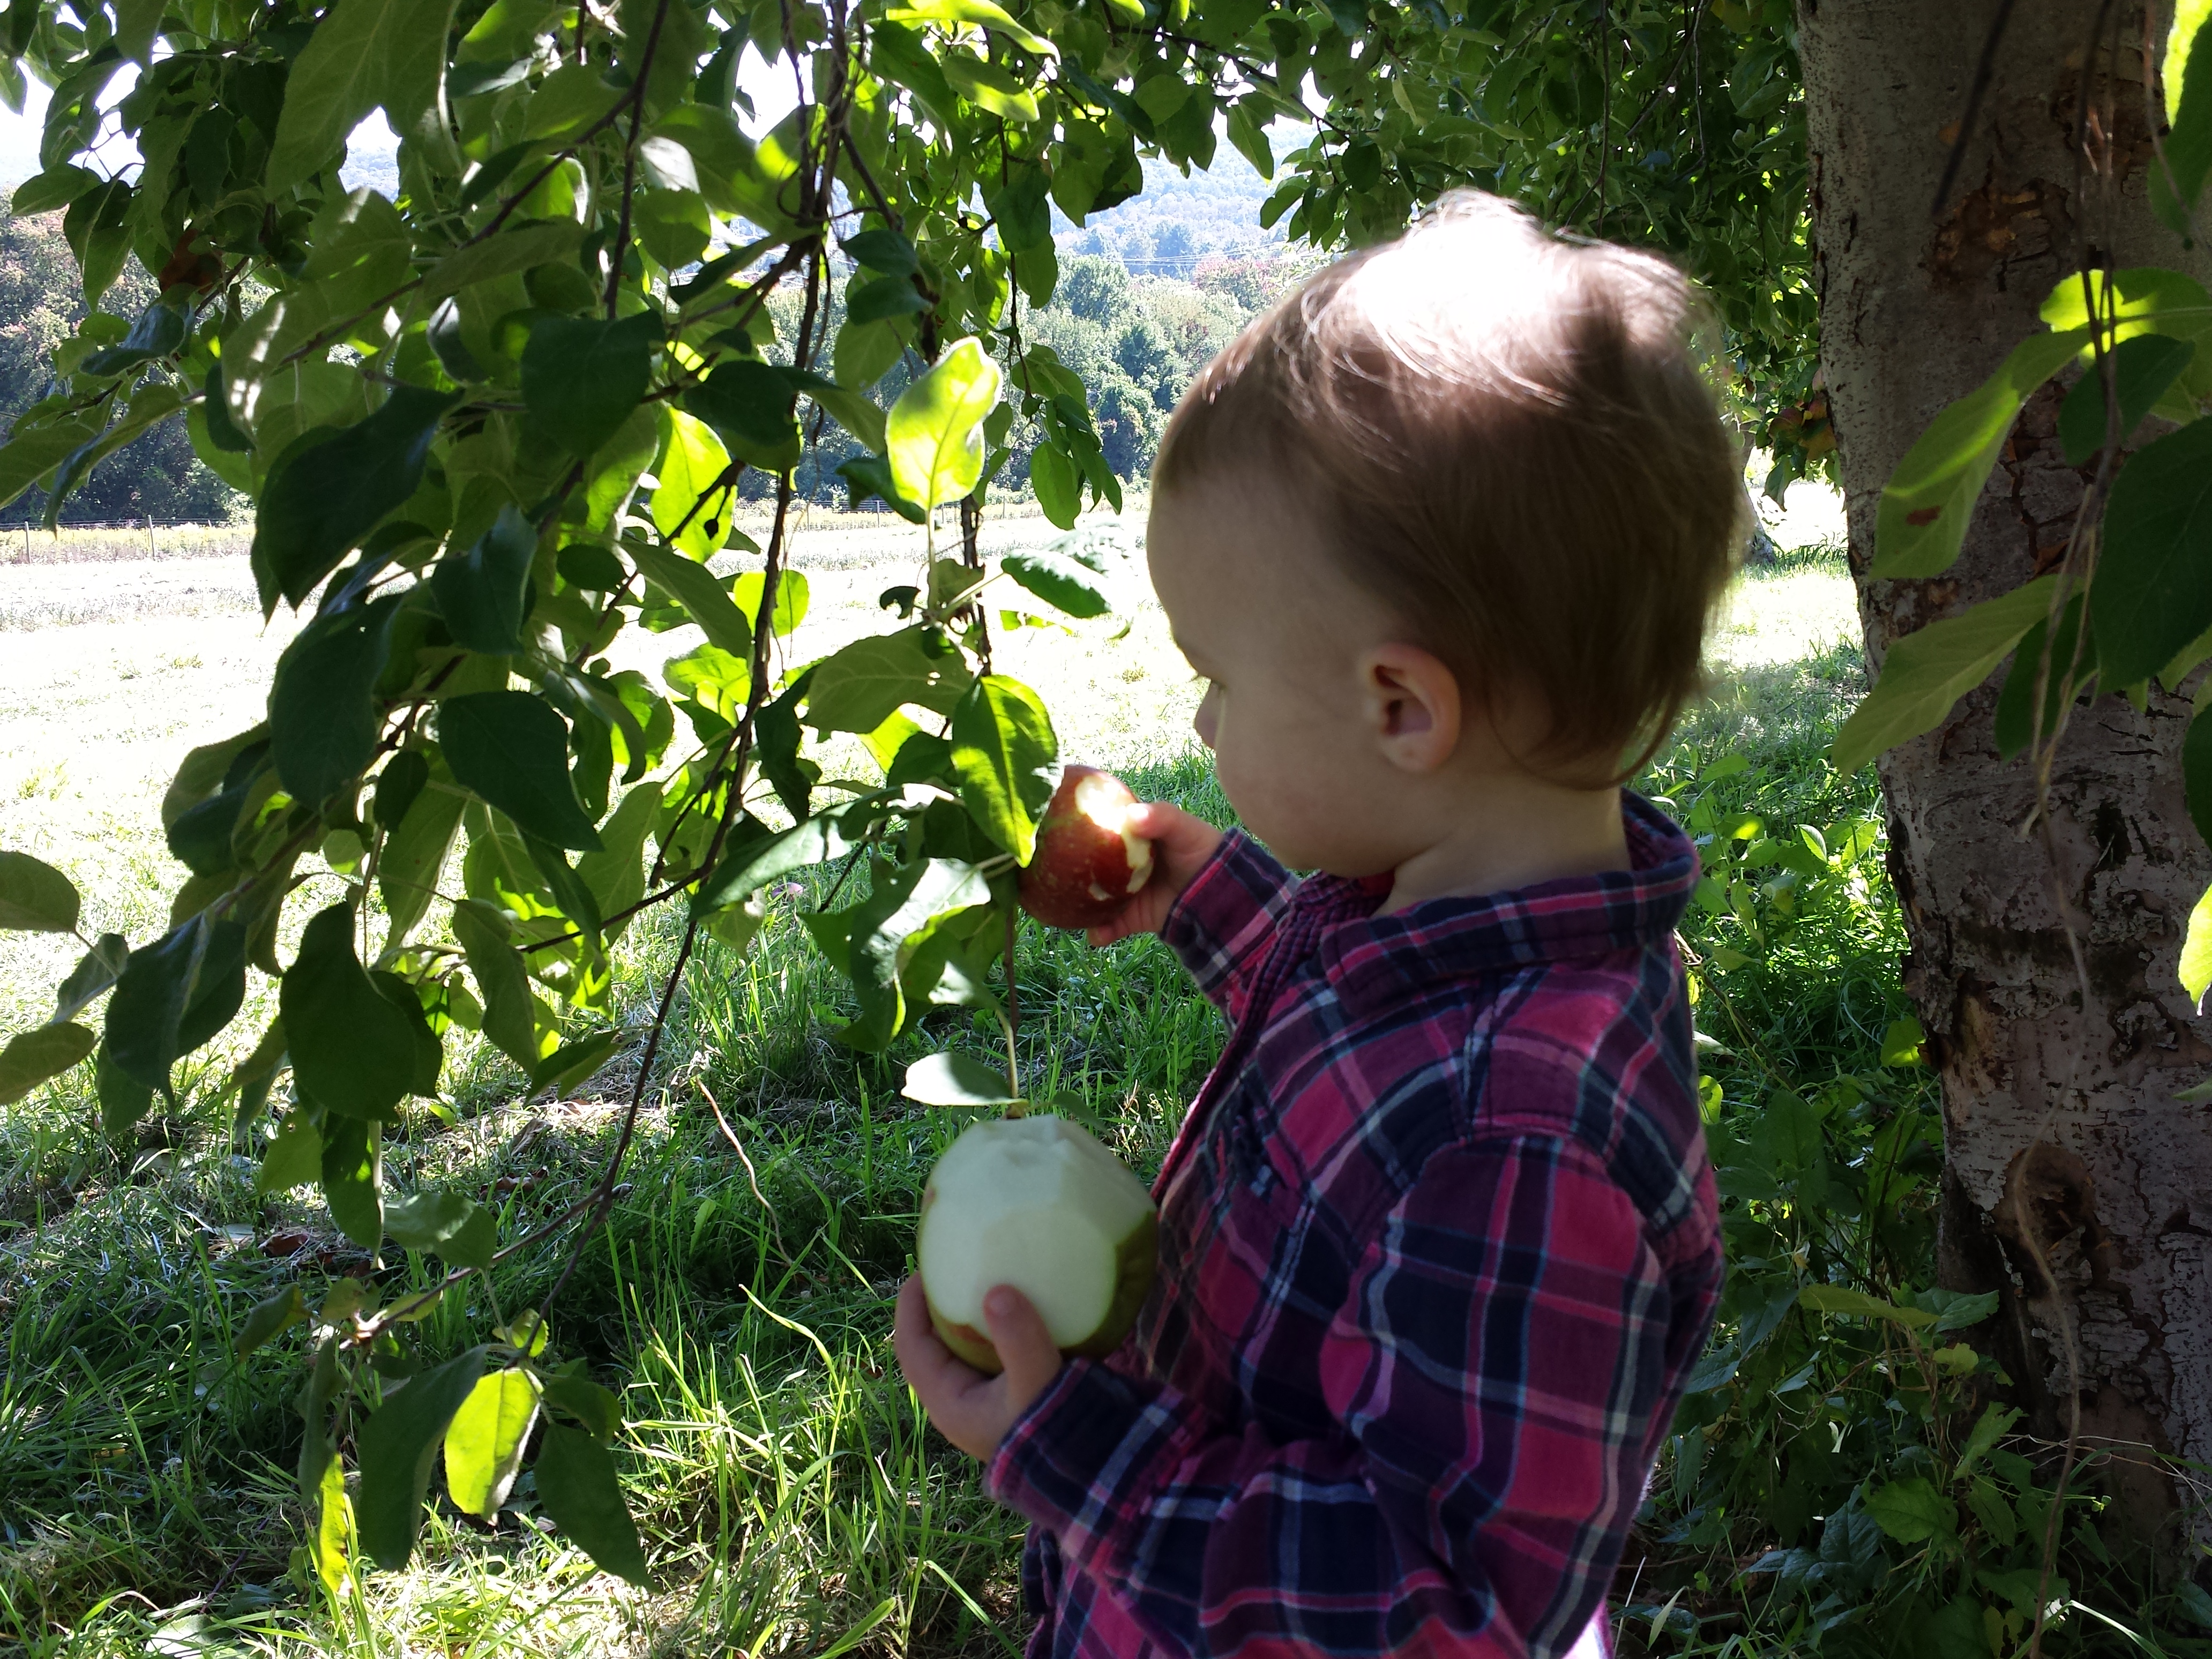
(1177, 222)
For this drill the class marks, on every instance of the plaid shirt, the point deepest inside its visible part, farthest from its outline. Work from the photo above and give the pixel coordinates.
(1441, 1247)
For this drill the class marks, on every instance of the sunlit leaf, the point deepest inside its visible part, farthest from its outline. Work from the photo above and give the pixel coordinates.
(485, 1440)
(934, 430)
(1921, 521)
(1926, 673)
(957, 1079)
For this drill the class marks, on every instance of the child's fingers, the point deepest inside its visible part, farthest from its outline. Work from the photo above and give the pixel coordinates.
(1025, 1347)
(921, 1355)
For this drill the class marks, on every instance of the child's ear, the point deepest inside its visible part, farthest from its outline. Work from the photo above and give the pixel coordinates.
(1412, 706)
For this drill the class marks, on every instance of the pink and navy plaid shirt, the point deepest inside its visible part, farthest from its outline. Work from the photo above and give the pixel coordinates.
(1440, 1246)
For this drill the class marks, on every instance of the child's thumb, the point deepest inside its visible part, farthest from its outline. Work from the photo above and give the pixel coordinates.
(1025, 1344)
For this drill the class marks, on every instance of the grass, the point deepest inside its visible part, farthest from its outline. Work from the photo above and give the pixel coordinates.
(739, 1297)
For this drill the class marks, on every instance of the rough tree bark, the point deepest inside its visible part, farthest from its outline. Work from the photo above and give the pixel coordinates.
(2059, 1117)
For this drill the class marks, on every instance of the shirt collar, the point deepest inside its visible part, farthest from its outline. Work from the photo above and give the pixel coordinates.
(1372, 960)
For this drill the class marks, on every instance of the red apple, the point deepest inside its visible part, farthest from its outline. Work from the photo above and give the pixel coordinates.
(1088, 862)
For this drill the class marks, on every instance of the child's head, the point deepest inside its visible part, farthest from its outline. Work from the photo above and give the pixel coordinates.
(1465, 503)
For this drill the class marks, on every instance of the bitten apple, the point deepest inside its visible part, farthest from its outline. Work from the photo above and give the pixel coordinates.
(1088, 863)
(1036, 1203)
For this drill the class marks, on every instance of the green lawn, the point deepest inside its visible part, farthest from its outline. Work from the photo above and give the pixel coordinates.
(739, 1298)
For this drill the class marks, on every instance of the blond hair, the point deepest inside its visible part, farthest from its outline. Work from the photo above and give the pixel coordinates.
(1509, 438)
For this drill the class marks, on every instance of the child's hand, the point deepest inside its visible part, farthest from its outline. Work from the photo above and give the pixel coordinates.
(1181, 846)
(971, 1410)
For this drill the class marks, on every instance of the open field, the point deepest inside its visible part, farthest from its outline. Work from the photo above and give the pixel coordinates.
(792, 1501)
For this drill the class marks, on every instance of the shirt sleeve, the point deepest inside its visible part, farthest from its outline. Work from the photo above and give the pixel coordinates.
(1222, 924)
(1494, 1373)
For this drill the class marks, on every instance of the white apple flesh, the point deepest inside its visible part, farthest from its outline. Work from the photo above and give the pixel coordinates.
(1088, 863)
(1036, 1203)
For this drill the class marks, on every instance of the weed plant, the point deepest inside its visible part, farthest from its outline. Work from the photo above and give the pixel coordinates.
(1842, 1480)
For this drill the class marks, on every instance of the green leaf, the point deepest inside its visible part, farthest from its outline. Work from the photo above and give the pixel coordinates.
(582, 376)
(481, 592)
(173, 996)
(694, 494)
(1058, 581)
(2196, 951)
(749, 404)
(95, 971)
(1059, 487)
(414, 853)
(871, 475)
(38, 1054)
(2144, 367)
(353, 1178)
(889, 926)
(508, 254)
(857, 412)
(957, 1079)
(575, 1062)
(324, 719)
(33, 452)
(509, 1011)
(2149, 597)
(792, 595)
(879, 249)
(159, 332)
(2072, 663)
(1901, 1041)
(882, 298)
(934, 431)
(700, 593)
(746, 869)
(1927, 673)
(616, 873)
(294, 1157)
(485, 1442)
(1841, 1299)
(352, 1051)
(431, 1219)
(57, 187)
(277, 1313)
(1005, 754)
(1924, 508)
(576, 1484)
(324, 497)
(1912, 1511)
(578, 1397)
(954, 13)
(858, 688)
(364, 54)
(510, 749)
(34, 897)
(124, 1100)
(395, 1449)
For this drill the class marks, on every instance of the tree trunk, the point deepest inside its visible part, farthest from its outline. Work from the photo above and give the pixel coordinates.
(2062, 1139)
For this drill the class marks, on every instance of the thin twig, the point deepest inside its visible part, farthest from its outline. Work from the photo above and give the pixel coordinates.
(1982, 72)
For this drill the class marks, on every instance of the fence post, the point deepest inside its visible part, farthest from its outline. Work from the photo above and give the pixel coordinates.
(149, 536)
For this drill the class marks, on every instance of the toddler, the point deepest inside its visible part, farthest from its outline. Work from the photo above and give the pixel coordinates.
(1438, 1240)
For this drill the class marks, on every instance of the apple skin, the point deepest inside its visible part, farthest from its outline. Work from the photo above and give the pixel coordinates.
(1087, 867)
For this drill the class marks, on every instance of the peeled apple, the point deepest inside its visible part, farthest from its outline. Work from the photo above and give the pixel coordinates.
(1036, 1203)
(1088, 863)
